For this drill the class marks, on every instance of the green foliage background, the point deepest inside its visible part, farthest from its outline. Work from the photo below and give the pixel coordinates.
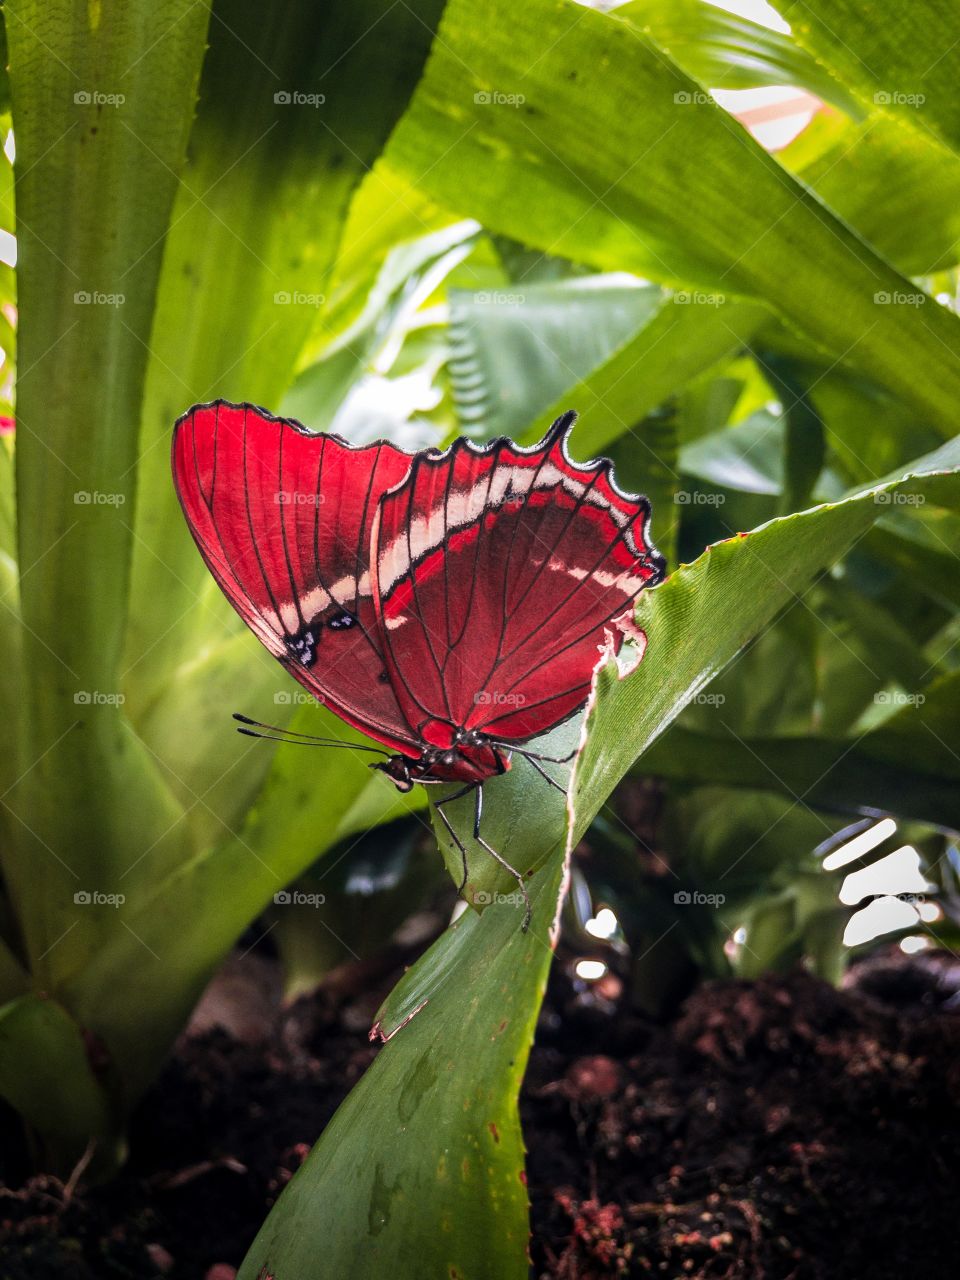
(426, 221)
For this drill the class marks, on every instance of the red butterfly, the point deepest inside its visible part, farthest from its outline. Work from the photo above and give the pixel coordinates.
(449, 603)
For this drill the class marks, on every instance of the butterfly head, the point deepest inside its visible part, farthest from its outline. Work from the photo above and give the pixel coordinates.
(398, 769)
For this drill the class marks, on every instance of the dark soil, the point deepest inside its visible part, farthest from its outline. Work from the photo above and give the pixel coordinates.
(777, 1130)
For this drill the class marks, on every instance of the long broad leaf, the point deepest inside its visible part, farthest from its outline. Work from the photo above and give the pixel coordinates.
(515, 350)
(100, 123)
(825, 772)
(394, 1179)
(916, 224)
(690, 332)
(903, 58)
(727, 51)
(286, 129)
(179, 929)
(41, 1047)
(639, 170)
(705, 613)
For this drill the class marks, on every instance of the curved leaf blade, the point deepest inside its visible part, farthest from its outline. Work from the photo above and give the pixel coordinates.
(671, 187)
(381, 1183)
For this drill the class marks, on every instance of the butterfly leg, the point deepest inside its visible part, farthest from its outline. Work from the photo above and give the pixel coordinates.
(498, 857)
(543, 774)
(533, 755)
(453, 835)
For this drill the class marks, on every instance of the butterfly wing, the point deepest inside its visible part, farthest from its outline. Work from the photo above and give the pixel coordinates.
(497, 571)
(283, 518)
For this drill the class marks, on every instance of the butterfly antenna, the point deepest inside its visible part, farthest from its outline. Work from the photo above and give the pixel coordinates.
(293, 738)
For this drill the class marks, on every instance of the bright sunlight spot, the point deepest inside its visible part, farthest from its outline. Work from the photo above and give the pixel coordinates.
(883, 915)
(8, 249)
(603, 925)
(898, 872)
(860, 845)
(774, 114)
(590, 970)
(914, 943)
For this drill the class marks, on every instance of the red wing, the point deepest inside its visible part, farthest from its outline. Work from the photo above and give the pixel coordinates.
(282, 518)
(496, 572)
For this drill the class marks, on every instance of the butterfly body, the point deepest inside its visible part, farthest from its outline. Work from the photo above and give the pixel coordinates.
(451, 604)
(469, 758)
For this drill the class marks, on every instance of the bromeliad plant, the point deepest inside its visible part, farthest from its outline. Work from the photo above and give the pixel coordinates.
(330, 213)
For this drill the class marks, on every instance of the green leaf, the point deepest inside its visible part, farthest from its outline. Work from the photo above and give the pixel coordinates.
(387, 211)
(192, 738)
(41, 1050)
(747, 457)
(395, 1173)
(178, 928)
(645, 461)
(923, 730)
(827, 773)
(693, 632)
(102, 112)
(672, 189)
(901, 58)
(371, 887)
(916, 223)
(514, 351)
(8, 509)
(14, 981)
(425, 1158)
(253, 236)
(869, 434)
(689, 333)
(11, 692)
(726, 51)
(804, 446)
(410, 272)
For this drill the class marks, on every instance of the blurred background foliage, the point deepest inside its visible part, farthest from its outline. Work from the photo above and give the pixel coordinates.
(733, 247)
